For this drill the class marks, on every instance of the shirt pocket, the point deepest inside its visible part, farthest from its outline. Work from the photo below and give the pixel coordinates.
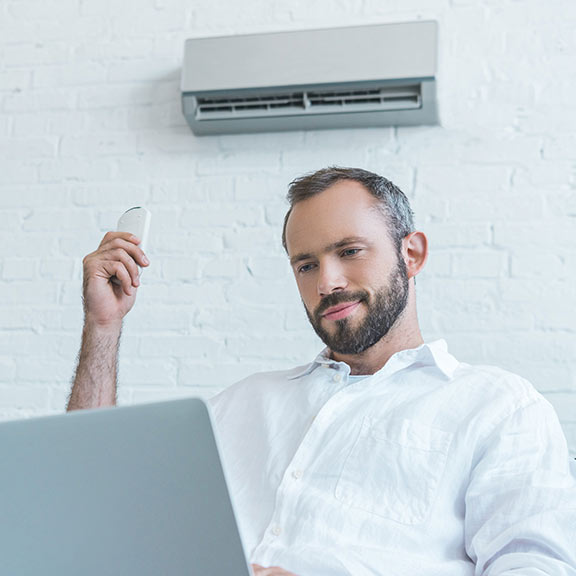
(393, 469)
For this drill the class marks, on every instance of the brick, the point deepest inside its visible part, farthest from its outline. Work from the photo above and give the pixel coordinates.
(59, 10)
(534, 234)
(19, 269)
(235, 320)
(115, 197)
(220, 216)
(33, 369)
(179, 193)
(182, 269)
(25, 398)
(147, 372)
(155, 316)
(564, 404)
(560, 204)
(21, 173)
(456, 235)
(22, 292)
(70, 75)
(224, 267)
(76, 170)
(179, 346)
(57, 268)
(15, 148)
(110, 49)
(536, 264)
(465, 183)
(187, 242)
(249, 289)
(308, 159)
(253, 240)
(146, 396)
(145, 70)
(101, 145)
(35, 54)
(544, 175)
(49, 123)
(113, 96)
(197, 294)
(7, 369)
(480, 264)
(43, 219)
(277, 267)
(214, 377)
(11, 220)
(559, 147)
(239, 162)
(439, 264)
(15, 80)
(295, 319)
(255, 188)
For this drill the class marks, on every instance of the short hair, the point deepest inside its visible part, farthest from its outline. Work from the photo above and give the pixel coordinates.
(392, 202)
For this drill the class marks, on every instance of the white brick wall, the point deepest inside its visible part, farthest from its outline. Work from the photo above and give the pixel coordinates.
(90, 124)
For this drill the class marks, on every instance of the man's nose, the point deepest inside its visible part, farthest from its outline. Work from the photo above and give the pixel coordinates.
(331, 279)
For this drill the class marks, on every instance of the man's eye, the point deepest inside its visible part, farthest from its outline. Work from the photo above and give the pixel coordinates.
(305, 268)
(350, 251)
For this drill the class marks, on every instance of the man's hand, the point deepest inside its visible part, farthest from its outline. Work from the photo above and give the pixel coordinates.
(271, 571)
(106, 303)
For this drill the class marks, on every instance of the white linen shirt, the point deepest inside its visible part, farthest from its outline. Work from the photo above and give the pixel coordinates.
(428, 467)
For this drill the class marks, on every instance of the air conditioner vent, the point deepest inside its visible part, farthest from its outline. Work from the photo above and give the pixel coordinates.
(375, 99)
(218, 107)
(324, 102)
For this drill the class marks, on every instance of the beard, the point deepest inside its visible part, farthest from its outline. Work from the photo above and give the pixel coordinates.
(383, 310)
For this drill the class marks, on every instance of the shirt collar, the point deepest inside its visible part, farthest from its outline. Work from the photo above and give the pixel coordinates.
(431, 354)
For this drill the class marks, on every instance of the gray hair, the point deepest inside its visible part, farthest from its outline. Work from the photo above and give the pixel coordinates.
(392, 202)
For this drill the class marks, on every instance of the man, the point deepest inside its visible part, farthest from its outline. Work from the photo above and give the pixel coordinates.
(385, 455)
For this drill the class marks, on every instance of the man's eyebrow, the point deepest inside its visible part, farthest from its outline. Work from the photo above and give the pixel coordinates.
(334, 246)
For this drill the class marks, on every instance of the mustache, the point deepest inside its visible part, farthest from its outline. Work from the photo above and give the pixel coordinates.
(338, 298)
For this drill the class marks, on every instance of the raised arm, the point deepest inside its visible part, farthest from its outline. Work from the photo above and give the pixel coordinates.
(106, 302)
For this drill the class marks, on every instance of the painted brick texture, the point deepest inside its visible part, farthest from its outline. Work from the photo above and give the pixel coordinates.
(90, 125)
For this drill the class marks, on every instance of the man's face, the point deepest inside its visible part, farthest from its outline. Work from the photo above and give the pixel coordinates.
(353, 283)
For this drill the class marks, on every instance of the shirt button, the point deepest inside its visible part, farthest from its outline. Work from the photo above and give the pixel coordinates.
(276, 530)
(337, 377)
(296, 474)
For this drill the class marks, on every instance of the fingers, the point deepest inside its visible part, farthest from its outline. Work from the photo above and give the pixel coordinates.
(118, 256)
(125, 241)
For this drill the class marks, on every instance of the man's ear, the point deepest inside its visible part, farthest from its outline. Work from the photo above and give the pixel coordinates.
(415, 252)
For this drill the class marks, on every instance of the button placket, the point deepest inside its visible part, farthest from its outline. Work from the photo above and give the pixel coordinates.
(291, 485)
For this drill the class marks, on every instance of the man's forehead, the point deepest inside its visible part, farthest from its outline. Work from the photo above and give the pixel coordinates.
(345, 210)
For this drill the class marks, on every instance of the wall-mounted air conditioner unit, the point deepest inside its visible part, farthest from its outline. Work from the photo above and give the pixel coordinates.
(363, 76)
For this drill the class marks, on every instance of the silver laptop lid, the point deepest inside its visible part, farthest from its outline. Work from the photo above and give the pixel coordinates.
(132, 491)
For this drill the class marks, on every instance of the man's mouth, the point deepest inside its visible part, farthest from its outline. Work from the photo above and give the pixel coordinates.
(340, 310)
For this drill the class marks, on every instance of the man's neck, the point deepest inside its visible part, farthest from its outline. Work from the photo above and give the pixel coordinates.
(375, 357)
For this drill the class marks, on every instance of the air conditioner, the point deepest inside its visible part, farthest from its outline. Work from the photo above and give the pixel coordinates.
(362, 76)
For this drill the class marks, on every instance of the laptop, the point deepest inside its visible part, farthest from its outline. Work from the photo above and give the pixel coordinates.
(130, 491)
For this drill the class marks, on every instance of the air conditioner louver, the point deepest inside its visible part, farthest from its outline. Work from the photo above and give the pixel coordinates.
(325, 102)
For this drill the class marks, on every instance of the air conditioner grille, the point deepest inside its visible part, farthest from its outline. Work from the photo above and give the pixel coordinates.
(310, 102)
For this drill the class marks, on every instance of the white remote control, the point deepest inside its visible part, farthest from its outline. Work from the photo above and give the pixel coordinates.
(135, 221)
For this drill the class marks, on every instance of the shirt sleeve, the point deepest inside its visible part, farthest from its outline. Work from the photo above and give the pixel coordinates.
(521, 500)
